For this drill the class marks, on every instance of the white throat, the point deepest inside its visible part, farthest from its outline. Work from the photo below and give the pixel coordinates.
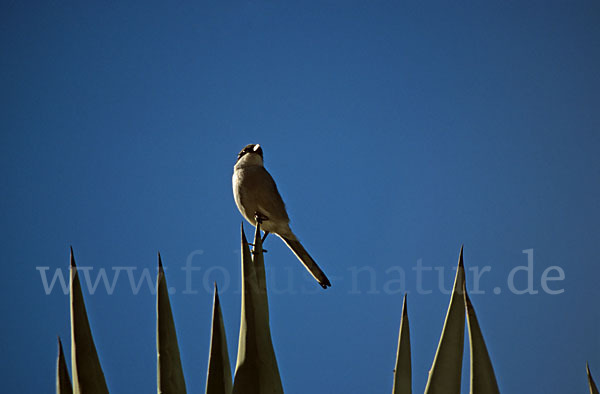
(249, 159)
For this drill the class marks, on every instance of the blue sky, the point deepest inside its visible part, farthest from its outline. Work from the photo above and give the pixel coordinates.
(396, 131)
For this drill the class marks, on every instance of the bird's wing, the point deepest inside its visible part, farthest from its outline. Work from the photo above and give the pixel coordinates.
(267, 196)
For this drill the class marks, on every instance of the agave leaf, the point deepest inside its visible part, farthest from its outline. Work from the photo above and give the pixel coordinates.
(593, 388)
(169, 371)
(256, 368)
(218, 380)
(88, 377)
(445, 373)
(403, 371)
(483, 379)
(63, 381)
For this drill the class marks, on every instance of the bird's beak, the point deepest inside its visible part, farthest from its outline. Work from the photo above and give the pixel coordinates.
(256, 147)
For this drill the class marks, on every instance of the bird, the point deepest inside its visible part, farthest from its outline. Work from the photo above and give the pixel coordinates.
(258, 199)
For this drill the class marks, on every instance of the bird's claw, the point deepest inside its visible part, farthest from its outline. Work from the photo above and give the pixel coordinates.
(254, 251)
(259, 217)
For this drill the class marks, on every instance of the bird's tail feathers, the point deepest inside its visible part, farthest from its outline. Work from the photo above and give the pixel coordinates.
(308, 261)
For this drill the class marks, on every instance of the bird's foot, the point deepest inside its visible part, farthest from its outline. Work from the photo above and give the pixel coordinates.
(259, 217)
(254, 252)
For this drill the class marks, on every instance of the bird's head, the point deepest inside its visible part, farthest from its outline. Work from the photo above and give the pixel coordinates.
(252, 154)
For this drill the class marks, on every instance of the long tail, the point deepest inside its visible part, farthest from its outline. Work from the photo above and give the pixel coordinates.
(308, 261)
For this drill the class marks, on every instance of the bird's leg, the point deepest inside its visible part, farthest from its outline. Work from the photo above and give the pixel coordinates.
(259, 217)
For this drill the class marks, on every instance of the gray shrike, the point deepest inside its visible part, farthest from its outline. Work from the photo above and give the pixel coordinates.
(256, 196)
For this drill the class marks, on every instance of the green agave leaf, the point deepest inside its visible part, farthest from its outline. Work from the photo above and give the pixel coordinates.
(256, 368)
(403, 370)
(483, 379)
(445, 373)
(218, 380)
(63, 381)
(593, 388)
(88, 377)
(169, 371)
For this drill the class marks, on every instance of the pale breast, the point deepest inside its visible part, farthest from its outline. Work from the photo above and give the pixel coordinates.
(255, 191)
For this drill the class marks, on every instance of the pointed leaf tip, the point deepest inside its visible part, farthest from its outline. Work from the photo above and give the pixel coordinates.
(72, 258)
(403, 367)
(160, 265)
(445, 372)
(216, 295)
(63, 380)
(460, 256)
(87, 371)
(591, 383)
